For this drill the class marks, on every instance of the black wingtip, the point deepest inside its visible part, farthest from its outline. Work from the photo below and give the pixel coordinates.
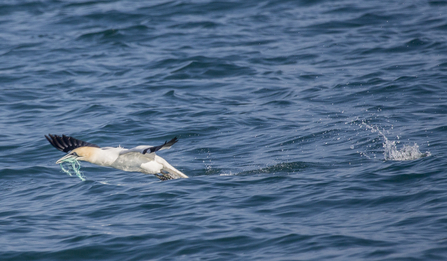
(157, 148)
(67, 143)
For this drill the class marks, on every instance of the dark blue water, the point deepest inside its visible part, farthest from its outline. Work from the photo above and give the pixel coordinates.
(311, 130)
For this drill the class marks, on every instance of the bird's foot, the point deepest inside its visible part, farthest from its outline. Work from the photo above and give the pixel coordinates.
(164, 175)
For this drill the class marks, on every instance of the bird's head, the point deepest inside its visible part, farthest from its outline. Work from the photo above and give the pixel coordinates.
(81, 153)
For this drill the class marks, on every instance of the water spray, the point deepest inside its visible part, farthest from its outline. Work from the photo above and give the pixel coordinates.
(391, 152)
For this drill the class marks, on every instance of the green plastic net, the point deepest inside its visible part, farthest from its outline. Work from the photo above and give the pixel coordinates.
(75, 165)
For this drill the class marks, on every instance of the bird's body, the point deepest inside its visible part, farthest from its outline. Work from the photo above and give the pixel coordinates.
(138, 159)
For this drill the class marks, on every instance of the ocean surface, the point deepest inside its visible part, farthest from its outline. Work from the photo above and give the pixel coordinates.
(310, 130)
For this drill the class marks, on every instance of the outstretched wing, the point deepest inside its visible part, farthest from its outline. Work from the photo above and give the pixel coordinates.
(66, 143)
(145, 149)
(166, 145)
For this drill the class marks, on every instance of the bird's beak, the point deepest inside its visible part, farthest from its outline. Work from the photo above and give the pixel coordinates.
(67, 157)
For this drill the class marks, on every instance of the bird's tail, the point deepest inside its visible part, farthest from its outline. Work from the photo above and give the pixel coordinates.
(169, 170)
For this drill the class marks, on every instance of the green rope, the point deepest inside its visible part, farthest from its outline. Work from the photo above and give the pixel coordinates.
(76, 167)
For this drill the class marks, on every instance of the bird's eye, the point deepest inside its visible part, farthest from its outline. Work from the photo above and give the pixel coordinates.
(74, 154)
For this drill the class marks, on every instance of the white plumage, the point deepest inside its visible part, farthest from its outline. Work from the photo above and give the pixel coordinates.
(139, 159)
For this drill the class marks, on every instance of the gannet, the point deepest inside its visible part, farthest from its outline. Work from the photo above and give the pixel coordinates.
(139, 159)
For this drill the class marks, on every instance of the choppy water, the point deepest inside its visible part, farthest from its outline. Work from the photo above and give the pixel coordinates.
(311, 130)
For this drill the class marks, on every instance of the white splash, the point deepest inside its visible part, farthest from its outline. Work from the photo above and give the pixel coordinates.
(227, 174)
(391, 152)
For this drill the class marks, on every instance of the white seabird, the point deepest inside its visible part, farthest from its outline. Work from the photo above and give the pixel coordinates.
(139, 159)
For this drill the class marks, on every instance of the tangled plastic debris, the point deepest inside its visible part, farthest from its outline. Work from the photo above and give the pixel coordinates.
(73, 163)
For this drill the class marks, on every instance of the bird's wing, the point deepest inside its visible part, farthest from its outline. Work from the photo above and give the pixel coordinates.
(66, 143)
(144, 149)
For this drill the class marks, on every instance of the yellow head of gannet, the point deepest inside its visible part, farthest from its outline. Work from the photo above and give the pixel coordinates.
(140, 159)
(82, 153)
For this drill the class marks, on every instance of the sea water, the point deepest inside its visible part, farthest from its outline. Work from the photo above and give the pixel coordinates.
(310, 130)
